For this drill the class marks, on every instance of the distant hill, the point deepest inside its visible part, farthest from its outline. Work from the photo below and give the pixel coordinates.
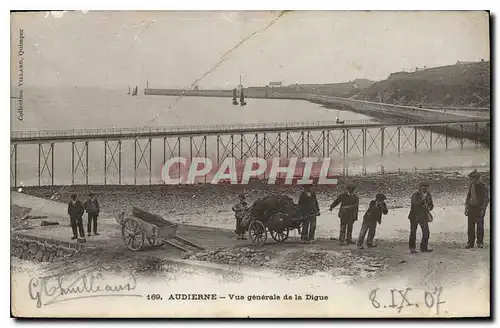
(462, 84)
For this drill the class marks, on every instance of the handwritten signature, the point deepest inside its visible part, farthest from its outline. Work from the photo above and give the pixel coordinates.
(88, 283)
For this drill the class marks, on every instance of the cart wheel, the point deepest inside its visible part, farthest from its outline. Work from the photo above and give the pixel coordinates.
(133, 235)
(155, 241)
(280, 236)
(257, 232)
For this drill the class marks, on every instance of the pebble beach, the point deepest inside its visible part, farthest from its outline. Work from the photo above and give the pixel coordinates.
(210, 205)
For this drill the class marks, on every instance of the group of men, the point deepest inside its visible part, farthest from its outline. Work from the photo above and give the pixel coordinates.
(348, 214)
(76, 210)
(420, 214)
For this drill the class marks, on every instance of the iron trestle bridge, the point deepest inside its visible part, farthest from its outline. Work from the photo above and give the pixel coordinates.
(353, 139)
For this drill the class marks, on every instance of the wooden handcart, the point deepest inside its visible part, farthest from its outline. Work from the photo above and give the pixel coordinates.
(144, 225)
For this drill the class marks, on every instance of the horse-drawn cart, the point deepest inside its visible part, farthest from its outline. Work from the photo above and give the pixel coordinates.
(277, 215)
(144, 225)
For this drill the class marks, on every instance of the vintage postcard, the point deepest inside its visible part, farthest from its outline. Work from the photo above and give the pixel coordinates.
(312, 164)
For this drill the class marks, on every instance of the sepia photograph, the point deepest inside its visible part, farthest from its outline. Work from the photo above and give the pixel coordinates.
(250, 164)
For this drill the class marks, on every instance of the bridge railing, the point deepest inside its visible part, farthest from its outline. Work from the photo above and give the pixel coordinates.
(220, 128)
(172, 129)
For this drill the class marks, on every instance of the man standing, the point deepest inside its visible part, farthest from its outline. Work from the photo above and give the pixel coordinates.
(92, 207)
(372, 216)
(239, 211)
(309, 209)
(75, 212)
(475, 208)
(348, 213)
(421, 205)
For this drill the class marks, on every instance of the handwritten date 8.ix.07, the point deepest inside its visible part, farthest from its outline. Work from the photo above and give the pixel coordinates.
(407, 298)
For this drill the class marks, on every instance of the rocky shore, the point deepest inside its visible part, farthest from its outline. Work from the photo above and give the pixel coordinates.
(184, 200)
(297, 261)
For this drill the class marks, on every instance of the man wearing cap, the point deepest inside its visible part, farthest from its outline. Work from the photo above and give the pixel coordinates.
(372, 216)
(475, 208)
(348, 213)
(239, 211)
(309, 209)
(421, 205)
(75, 212)
(91, 206)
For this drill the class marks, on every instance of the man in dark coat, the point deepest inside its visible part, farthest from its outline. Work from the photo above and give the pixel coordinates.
(75, 212)
(348, 213)
(475, 208)
(309, 209)
(239, 211)
(372, 216)
(421, 205)
(91, 206)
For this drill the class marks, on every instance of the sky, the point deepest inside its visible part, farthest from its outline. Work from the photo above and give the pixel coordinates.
(174, 49)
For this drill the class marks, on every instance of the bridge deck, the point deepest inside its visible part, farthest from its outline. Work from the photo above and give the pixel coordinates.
(205, 130)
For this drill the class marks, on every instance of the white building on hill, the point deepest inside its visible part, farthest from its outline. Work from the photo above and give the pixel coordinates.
(275, 84)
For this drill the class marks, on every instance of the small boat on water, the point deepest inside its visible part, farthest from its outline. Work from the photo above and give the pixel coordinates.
(242, 98)
(337, 119)
(134, 92)
(235, 102)
(128, 93)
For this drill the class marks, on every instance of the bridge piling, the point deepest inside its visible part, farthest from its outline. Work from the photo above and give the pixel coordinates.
(105, 162)
(147, 147)
(39, 162)
(399, 140)
(302, 143)
(205, 143)
(46, 155)
(279, 145)
(415, 133)
(83, 162)
(256, 145)
(430, 141)
(323, 138)
(382, 141)
(232, 145)
(150, 160)
(120, 162)
(345, 140)
(72, 163)
(241, 146)
(86, 162)
(135, 161)
(52, 163)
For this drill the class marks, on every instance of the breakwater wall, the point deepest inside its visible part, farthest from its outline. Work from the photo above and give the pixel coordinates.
(377, 110)
(387, 112)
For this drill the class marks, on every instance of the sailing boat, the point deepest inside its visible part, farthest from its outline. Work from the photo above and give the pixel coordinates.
(242, 98)
(134, 93)
(235, 102)
(128, 90)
